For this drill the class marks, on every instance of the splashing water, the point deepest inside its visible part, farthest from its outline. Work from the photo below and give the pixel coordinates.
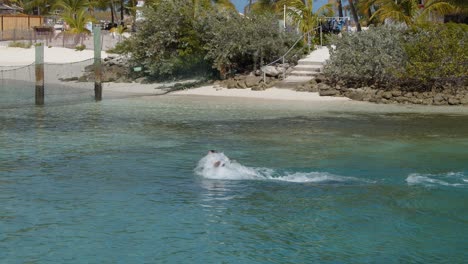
(451, 179)
(232, 170)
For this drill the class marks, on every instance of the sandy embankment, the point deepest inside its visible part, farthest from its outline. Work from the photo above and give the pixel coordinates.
(19, 57)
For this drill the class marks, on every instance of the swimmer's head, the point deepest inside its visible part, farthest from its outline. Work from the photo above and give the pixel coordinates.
(212, 151)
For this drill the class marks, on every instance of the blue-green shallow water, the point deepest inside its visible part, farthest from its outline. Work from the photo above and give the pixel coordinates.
(114, 182)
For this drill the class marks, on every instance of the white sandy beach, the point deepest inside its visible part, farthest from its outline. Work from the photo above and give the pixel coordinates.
(19, 56)
(272, 93)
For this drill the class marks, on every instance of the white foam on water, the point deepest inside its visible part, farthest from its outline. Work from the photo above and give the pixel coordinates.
(232, 170)
(450, 179)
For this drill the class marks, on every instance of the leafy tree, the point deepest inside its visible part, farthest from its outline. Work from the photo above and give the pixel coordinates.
(355, 15)
(437, 51)
(218, 41)
(265, 6)
(166, 43)
(236, 43)
(77, 21)
(301, 12)
(354, 61)
(409, 12)
(41, 7)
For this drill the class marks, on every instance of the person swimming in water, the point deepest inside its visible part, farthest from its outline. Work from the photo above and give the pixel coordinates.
(217, 163)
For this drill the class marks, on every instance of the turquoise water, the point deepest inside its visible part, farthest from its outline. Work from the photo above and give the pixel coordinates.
(115, 182)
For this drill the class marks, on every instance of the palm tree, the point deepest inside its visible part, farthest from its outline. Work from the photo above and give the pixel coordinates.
(365, 8)
(199, 5)
(409, 11)
(340, 8)
(77, 21)
(354, 13)
(301, 13)
(262, 6)
(40, 7)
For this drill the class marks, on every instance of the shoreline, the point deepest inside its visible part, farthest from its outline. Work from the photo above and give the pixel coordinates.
(268, 94)
(19, 57)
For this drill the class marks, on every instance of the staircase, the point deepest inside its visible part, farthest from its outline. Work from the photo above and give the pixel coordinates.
(306, 69)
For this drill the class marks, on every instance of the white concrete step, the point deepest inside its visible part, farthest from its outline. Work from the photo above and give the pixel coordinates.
(296, 79)
(310, 62)
(304, 73)
(305, 67)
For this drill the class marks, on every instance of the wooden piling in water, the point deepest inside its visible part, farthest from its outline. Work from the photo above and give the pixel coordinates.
(97, 64)
(39, 70)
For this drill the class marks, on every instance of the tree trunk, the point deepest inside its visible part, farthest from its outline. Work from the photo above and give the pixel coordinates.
(369, 13)
(340, 8)
(112, 13)
(355, 16)
(121, 11)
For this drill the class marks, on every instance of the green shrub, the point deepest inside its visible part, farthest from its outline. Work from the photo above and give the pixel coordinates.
(366, 57)
(436, 51)
(173, 42)
(166, 43)
(235, 43)
(80, 47)
(419, 58)
(19, 44)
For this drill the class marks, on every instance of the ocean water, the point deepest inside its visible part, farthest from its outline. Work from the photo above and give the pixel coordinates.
(129, 181)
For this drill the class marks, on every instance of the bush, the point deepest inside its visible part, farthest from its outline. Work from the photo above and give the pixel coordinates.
(234, 43)
(420, 58)
(80, 47)
(437, 51)
(172, 41)
(19, 44)
(366, 57)
(166, 43)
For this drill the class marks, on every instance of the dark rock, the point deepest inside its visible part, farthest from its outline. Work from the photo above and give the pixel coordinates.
(464, 100)
(427, 95)
(260, 87)
(89, 68)
(271, 83)
(427, 101)
(329, 92)
(320, 78)
(355, 94)
(71, 79)
(387, 95)
(230, 83)
(396, 93)
(83, 79)
(140, 80)
(453, 101)
(145, 81)
(241, 84)
(252, 81)
(270, 71)
(439, 99)
(322, 86)
(415, 100)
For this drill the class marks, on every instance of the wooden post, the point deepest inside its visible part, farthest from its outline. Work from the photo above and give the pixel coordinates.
(39, 66)
(97, 64)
